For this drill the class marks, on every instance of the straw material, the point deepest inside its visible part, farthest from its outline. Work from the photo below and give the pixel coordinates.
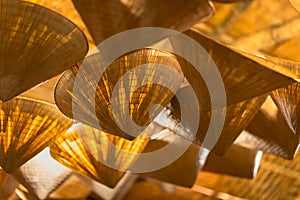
(143, 98)
(41, 175)
(244, 75)
(36, 44)
(27, 127)
(289, 67)
(106, 18)
(269, 132)
(287, 100)
(238, 161)
(83, 156)
(7, 185)
(238, 116)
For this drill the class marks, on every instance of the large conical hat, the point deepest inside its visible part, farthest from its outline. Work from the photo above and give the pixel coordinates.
(237, 118)
(41, 175)
(269, 132)
(27, 127)
(143, 82)
(244, 75)
(84, 157)
(7, 185)
(36, 44)
(107, 18)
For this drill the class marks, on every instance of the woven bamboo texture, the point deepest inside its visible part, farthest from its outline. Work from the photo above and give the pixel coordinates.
(36, 44)
(27, 127)
(243, 74)
(106, 18)
(141, 100)
(84, 157)
(41, 175)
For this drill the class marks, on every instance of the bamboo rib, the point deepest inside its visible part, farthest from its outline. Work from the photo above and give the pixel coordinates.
(36, 44)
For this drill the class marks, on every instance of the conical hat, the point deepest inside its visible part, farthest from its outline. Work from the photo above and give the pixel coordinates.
(107, 18)
(91, 100)
(244, 75)
(71, 151)
(270, 133)
(36, 44)
(287, 100)
(27, 127)
(237, 118)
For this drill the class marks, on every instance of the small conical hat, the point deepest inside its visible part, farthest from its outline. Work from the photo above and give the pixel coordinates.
(36, 44)
(27, 127)
(71, 151)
